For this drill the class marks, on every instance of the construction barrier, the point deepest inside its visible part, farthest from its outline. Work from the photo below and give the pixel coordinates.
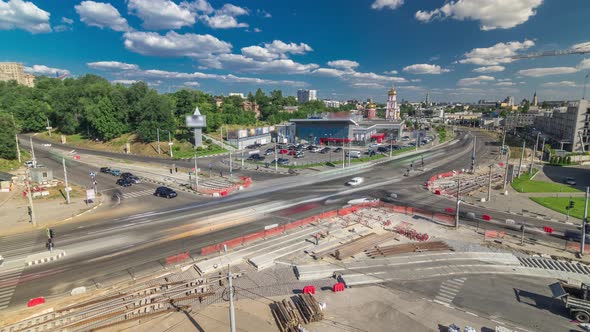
(486, 217)
(548, 229)
(177, 258)
(450, 210)
(309, 289)
(338, 287)
(35, 301)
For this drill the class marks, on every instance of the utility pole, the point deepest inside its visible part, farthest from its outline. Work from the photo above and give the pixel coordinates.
(473, 154)
(349, 147)
(458, 202)
(343, 156)
(503, 137)
(230, 165)
(585, 82)
(196, 173)
(232, 315)
(48, 128)
(584, 221)
(158, 138)
(490, 184)
(17, 148)
(170, 143)
(276, 159)
(521, 157)
(63, 161)
(30, 197)
(507, 167)
(534, 153)
(543, 148)
(390, 144)
(33, 152)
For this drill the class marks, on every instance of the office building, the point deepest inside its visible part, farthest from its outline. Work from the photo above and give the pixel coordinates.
(303, 96)
(331, 103)
(521, 120)
(568, 127)
(13, 71)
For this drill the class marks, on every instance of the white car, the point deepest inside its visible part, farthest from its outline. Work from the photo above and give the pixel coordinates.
(373, 145)
(362, 200)
(355, 181)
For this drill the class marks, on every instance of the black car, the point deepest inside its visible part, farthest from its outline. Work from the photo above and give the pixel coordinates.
(325, 150)
(126, 175)
(383, 149)
(133, 179)
(124, 182)
(338, 150)
(105, 170)
(256, 157)
(165, 192)
(253, 146)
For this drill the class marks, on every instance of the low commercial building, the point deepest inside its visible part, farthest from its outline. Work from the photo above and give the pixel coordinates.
(241, 138)
(568, 127)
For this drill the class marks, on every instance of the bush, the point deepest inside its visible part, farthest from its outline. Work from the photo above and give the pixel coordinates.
(210, 147)
(208, 141)
(559, 160)
(199, 148)
(568, 160)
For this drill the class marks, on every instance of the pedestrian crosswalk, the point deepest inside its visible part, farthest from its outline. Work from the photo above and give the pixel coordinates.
(8, 282)
(448, 290)
(551, 264)
(139, 193)
(216, 183)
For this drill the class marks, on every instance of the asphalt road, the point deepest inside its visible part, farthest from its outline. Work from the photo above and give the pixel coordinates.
(121, 247)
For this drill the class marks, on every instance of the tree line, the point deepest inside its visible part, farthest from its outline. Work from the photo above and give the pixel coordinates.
(93, 107)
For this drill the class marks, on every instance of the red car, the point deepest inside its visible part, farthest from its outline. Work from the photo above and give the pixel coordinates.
(292, 152)
(283, 151)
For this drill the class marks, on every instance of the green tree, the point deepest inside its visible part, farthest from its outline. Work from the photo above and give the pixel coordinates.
(31, 114)
(7, 141)
(103, 120)
(157, 112)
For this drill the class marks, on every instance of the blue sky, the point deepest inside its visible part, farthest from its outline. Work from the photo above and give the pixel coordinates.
(457, 50)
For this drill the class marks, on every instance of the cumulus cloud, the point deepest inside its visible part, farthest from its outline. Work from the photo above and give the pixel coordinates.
(259, 53)
(562, 84)
(199, 6)
(343, 64)
(102, 15)
(475, 80)
(492, 14)
(109, 65)
(67, 20)
(391, 4)
(497, 54)
(44, 70)
(582, 46)
(423, 68)
(162, 14)
(280, 47)
(489, 69)
(369, 85)
(175, 44)
(126, 82)
(241, 63)
(391, 72)
(19, 14)
(192, 84)
(505, 83)
(540, 72)
(225, 17)
(263, 13)
(232, 10)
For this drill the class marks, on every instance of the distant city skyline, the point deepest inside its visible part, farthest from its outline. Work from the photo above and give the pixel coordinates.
(461, 52)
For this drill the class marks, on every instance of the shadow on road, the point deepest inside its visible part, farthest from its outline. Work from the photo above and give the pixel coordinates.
(542, 302)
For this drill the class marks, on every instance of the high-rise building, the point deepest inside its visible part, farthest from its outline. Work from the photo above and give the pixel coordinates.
(568, 126)
(426, 101)
(392, 112)
(14, 71)
(303, 96)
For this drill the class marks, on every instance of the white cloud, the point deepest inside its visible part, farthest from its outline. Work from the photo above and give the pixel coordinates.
(175, 44)
(584, 64)
(192, 84)
(489, 69)
(19, 14)
(505, 83)
(497, 54)
(107, 65)
(241, 63)
(223, 22)
(281, 47)
(44, 70)
(376, 77)
(562, 84)
(232, 10)
(391, 72)
(343, 64)
(492, 14)
(369, 85)
(101, 15)
(263, 13)
(67, 20)
(162, 14)
(199, 6)
(391, 4)
(259, 53)
(257, 30)
(329, 72)
(582, 46)
(540, 72)
(416, 80)
(126, 82)
(475, 80)
(62, 28)
(424, 68)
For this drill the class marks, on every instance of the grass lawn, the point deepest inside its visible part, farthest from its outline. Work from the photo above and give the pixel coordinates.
(559, 203)
(524, 184)
(11, 165)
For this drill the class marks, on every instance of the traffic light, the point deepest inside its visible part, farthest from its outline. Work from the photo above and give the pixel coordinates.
(51, 233)
(587, 228)
(571, 206)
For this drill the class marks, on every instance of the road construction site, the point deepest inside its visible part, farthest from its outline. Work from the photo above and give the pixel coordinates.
(324, 256)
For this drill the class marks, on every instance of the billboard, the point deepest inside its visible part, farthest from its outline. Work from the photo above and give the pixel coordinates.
(196, 121)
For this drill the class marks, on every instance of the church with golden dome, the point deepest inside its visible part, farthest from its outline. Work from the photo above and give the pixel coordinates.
(392, 112)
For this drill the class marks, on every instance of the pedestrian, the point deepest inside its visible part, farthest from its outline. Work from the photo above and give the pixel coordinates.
(257, 167)
(220, 173)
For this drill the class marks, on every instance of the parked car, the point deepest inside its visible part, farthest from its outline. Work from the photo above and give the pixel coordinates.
(354, 154)
(283, 151)
(281, 161)
(269, 151)
(406, 138)
(29, 163)
(126, 174)
(299, 154)
(105, 170)
(383, 149)
(373, 145)
(570, 181)
(256, 157)
(325, 150)
(133, 179)
(115, 172)
(124, 182)
(292, 152)
(338, 150)
(165, 192)
(253, 146)
(355, 181)
(316, 149)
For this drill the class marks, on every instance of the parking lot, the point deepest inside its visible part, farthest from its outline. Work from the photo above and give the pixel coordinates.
(320, 155)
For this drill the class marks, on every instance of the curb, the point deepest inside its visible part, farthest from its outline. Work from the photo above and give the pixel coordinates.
(46, 260)
(81, 213)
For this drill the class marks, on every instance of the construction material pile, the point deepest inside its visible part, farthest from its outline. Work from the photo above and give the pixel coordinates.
(290, 314)
(407, 248)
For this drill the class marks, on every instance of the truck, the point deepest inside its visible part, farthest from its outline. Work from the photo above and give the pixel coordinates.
(575, 298)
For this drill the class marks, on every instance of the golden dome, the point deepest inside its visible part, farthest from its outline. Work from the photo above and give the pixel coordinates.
(392, 92)
(371, 105)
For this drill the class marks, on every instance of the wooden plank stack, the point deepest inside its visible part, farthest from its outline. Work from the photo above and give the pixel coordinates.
(407, 248)
(286, 316)
(309, 308)
(359, 245)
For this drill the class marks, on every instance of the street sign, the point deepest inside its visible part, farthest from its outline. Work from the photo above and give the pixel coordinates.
(170, 143)
(48, 128)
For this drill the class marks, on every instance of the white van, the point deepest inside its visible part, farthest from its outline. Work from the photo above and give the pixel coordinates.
(354, 154)
(355, 181)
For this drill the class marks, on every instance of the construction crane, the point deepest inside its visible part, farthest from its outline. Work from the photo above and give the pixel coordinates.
(581, 49)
